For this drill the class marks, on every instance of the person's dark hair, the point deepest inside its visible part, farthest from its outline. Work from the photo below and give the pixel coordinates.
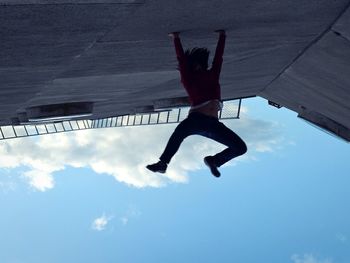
(197, 56)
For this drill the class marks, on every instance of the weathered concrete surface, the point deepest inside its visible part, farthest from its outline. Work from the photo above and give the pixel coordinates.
(319, 80)
(117, 52)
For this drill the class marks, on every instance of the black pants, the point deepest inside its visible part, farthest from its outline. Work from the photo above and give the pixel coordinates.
(210, 127)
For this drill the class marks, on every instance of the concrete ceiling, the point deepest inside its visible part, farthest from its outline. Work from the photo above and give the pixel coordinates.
(118, 55)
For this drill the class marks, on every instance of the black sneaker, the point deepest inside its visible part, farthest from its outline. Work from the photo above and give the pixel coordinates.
(159, 167)
(210, 162)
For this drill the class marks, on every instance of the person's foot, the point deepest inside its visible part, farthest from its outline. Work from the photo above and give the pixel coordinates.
(210, 162)
(159, 167)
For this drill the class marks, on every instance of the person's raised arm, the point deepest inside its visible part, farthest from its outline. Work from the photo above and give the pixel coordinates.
(219, 52)
(180, 54)
(178, 46)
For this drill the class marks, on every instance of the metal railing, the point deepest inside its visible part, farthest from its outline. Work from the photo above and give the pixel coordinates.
(231, 110)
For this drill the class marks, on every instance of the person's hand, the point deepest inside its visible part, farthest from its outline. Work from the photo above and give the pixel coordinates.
(174, 34)
(221, 31)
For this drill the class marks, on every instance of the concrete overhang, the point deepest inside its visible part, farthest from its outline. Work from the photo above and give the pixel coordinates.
(117, 53)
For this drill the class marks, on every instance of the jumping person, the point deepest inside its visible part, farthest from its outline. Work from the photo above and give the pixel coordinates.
(203, 88)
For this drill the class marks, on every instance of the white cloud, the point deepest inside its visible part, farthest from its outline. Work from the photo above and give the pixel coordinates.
(309, 258)
(100, 223)
(40, 180)
(124, 152)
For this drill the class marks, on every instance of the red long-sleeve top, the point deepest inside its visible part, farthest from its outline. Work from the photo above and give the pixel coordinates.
(201, 86)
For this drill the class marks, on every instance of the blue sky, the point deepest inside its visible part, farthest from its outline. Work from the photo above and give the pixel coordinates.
(86, 197)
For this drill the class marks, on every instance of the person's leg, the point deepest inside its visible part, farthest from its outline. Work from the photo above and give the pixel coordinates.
(184, 129)
(220, 133)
